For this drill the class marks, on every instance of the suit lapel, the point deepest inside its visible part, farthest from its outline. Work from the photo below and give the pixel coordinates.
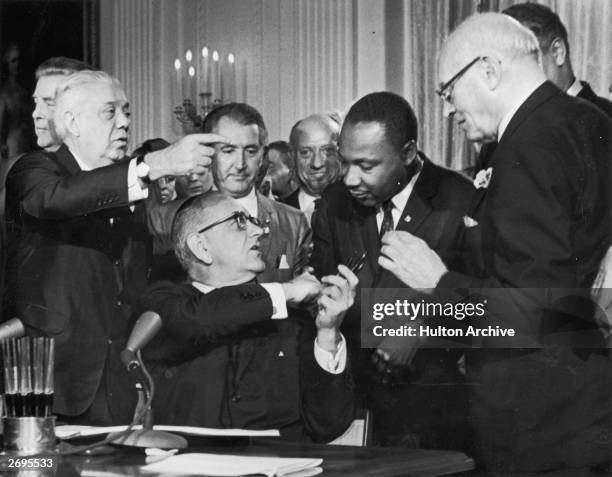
(364, 238)
(542, 94)
(67, 160)
(267, 215)
(418, 207)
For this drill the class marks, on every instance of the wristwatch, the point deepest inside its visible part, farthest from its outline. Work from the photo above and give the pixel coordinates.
(142, 169)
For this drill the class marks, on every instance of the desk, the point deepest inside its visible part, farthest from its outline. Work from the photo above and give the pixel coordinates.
(338, 461)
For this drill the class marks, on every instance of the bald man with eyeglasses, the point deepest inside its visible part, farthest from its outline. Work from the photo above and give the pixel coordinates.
(231, 353)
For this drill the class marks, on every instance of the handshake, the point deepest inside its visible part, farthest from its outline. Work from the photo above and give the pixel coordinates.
(330, 298)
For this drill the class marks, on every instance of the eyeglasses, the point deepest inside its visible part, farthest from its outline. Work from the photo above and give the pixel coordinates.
(241, 218)
(445, 90)
(307, 153)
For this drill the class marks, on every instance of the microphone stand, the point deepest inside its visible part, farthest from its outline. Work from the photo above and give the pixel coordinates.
(147, 436)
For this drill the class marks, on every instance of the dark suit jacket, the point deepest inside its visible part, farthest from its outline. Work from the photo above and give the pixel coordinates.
(78, 261)
(602, 103)
(586, 93)
(545, 225)
(220, 361)
(293, 199)
(290, 235)
(343, 229)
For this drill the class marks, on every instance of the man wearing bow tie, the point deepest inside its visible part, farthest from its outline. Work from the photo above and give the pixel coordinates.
(389, 185)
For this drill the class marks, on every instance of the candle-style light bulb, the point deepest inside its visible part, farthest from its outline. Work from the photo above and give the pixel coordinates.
(188, 56)
(191, 71)
(177, 64)
(230, 58)
(215, 56)
(205, 52)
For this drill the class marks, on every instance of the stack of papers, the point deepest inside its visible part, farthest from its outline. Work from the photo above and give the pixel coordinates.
(70, 432)
(233, 465)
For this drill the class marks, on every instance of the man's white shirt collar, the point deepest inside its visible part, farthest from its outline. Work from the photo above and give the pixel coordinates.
(249, 202)
(575, 88)
(399, 201)
(305, 200)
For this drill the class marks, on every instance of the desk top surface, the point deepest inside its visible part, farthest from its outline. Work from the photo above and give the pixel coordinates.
(337, 460)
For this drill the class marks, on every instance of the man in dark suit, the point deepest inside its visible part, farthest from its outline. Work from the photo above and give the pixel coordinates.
(556, 62)
(229, 354)
(286, 248)
(314, 147)
(545, 222)
(388, 184)
(79, 247)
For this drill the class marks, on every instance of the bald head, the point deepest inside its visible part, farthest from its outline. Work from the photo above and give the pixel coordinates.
(313, 143)
(216, 241)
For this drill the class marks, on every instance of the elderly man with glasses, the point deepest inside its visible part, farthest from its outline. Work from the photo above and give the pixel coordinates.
(544, 221)
(230, 355)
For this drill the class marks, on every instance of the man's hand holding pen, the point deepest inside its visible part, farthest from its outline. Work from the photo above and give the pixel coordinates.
(337, 296)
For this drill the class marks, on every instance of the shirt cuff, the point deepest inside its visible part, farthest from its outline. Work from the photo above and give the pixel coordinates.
(135, 191)
(279, 300)
(330, 363)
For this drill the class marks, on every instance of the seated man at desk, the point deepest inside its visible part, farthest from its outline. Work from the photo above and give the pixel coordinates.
(228, 355)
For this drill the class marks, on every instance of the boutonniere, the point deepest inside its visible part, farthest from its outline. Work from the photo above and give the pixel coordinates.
(482, 179)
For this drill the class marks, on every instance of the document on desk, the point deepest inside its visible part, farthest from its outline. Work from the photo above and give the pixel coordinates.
(72, 432)
(235, 465)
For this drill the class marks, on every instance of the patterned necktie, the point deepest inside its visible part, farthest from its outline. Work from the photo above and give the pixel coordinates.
(387, 222)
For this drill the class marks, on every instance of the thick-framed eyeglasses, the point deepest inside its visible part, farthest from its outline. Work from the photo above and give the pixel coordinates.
(445, 90)
(307, 153)
(242, 219)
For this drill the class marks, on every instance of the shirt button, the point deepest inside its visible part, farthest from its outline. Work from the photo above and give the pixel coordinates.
(110, 342)
(117, 263)
(119, 303)
(236, 398)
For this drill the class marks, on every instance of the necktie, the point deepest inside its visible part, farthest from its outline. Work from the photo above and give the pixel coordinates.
(387, 222)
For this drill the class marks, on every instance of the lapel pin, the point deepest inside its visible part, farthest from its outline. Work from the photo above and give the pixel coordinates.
(407, 218)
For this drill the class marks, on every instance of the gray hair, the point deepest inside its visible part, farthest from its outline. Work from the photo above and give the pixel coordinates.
(67, 101)
(497, 32)
(190, 217)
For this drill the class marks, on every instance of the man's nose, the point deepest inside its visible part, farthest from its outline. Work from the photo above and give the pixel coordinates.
(255, 230)
(351, 177)
(317, 161)
(240, 159)
(448, 109)
(38, 111)
(123, 120)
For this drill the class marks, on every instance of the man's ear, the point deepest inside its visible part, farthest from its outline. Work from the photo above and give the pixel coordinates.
(409, 152)
(558, 50)
(491, 67)
(71, 123)
(196, 245)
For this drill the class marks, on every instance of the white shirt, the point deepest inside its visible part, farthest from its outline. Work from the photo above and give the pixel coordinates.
(330, 363)
(518, 102)
(307, 203)
(399, 202)
(249, 202)
(575, 88)
(135, 192)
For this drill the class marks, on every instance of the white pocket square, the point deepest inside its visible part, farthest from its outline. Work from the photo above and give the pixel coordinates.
(469, 222)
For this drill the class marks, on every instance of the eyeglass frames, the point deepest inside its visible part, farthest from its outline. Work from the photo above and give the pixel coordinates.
(242, 219)
(445, 91)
